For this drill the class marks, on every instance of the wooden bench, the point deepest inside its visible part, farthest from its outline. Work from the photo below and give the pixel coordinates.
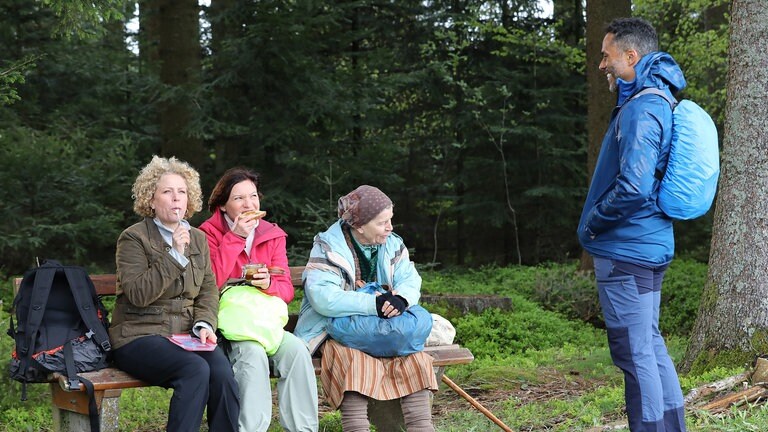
(70, 406)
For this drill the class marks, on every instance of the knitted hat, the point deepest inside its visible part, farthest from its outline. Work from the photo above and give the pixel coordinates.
(360, 206)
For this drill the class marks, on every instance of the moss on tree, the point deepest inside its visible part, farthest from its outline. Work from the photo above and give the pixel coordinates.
(711, 358)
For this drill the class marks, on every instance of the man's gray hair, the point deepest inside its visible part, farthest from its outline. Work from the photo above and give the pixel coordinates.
(634, 33)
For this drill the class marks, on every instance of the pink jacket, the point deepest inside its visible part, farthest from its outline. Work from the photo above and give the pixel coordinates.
(228, 253)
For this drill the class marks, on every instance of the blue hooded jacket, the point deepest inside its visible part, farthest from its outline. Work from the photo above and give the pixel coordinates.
(621, 219)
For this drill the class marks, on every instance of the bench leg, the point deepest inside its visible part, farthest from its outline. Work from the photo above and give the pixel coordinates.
(386, 415)
(70, 410)
(439, 371)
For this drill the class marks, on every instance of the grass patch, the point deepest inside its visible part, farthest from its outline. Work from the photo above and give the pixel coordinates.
(541, 366)
(144, 409)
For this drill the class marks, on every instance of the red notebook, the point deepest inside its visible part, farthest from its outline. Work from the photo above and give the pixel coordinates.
(191, 343)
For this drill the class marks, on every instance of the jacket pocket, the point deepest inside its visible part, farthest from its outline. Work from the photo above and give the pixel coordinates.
(619, 299)
(197, 262)
(141, 321)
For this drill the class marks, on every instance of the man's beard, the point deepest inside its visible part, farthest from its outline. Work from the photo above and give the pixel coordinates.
(611, 82)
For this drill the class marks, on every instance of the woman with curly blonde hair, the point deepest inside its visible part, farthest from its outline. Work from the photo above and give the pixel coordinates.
(144, 187)
(165, 286)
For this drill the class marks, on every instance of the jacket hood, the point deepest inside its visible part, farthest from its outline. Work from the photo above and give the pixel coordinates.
(334, 244)
(657, 69)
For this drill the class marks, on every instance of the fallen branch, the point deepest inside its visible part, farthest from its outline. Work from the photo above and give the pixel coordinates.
(750, 394)
(606, 428)
(475, 404)
(723, 384)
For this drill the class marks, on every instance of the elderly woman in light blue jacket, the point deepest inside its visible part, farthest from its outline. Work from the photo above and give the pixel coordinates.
(360, 248)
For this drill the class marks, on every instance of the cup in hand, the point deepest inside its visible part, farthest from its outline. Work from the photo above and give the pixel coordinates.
(251, 270)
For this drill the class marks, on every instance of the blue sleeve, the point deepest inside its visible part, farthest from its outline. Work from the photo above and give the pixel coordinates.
(639, 135)
(407, 281)
(322, 288)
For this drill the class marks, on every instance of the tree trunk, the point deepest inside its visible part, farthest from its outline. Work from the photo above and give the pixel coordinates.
(173, 40)
(600, 101)
(223, 28)
(461, 237)
(457, 8)
(571, 13)
(732, 326)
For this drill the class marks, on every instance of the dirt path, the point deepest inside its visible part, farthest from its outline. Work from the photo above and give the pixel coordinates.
(553, 385)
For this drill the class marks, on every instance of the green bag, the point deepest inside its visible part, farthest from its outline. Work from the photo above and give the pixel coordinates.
(247, 313)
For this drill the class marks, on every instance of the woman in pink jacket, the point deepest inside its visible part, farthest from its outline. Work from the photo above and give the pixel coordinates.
(236, 238)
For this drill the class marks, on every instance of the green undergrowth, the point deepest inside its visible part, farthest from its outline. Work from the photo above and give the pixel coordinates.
(562, 288)
(495, 333)
(542, 365)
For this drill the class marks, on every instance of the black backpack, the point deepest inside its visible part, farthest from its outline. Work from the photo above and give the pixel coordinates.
(61, 327)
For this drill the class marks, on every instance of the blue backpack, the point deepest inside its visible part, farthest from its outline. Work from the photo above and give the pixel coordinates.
(689, 183)
(383, 337)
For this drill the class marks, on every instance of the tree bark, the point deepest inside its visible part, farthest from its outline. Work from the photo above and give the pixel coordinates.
(571, 13)
(223, 28)
(172, 38)
(600, 101)
(732, 325)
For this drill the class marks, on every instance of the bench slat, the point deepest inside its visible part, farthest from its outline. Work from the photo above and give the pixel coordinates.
(452, 357)
(105, 379)
(296, 276)
(104, 283)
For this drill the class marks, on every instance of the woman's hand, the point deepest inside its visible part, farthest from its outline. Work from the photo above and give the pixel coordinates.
(390, 304)
(207, 335)
(180, 239)
(244, 224)
(261, 279)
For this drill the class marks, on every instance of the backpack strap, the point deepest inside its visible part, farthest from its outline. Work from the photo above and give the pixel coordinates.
(38, 299)
(88, 312)
(658, 174)
(93, 411)
(653, 90)
(74, 381)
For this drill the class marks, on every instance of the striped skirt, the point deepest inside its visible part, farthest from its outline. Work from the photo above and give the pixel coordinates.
(347, 369)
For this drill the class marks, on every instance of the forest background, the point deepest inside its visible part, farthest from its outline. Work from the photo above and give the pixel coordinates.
(471, 115)
(480, 119)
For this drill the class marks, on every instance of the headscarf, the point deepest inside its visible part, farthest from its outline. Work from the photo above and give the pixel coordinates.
(360, 206)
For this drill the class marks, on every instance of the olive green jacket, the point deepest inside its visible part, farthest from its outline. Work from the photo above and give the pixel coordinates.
(155, 294)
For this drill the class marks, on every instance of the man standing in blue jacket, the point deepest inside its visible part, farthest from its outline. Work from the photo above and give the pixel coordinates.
(622, 227)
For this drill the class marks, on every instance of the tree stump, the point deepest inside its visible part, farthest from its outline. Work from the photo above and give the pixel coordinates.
(469, 303)
(760, 375)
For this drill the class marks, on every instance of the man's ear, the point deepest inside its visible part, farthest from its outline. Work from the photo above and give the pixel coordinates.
(632, 57)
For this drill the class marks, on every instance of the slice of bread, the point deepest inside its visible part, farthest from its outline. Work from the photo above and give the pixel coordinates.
(253, 214)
